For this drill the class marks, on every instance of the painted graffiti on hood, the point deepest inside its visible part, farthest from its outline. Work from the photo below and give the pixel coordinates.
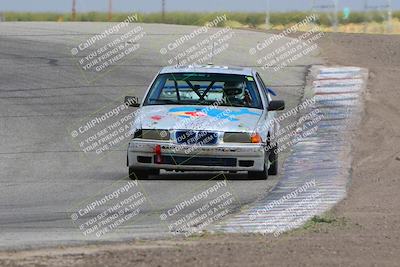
(190, 112)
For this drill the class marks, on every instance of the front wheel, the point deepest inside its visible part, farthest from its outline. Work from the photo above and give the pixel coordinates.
(141, 174)
(273, 159)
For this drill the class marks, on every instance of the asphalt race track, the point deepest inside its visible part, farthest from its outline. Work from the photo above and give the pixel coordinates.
(43, 175)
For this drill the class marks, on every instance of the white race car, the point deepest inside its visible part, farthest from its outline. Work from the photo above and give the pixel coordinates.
(204, 118)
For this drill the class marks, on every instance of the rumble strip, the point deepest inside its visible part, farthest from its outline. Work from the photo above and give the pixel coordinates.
(316, 174)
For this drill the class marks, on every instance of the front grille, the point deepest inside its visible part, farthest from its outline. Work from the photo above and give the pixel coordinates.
(197, 161)
(141, 159)
(196, 137)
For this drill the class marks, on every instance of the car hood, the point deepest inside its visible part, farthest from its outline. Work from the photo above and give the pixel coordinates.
(175, 117)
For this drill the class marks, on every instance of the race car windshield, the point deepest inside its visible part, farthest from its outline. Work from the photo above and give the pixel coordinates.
(204, 89)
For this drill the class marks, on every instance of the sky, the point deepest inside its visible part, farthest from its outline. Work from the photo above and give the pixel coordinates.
(178, 5)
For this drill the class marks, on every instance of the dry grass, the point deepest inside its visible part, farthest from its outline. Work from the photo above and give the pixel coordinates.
(370, 27)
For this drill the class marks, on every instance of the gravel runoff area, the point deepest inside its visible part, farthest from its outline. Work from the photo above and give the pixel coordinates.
(363, 230)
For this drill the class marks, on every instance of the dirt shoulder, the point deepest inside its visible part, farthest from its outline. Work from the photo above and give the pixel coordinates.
(364, 229)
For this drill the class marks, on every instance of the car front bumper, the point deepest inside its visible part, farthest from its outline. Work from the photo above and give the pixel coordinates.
(221, 157)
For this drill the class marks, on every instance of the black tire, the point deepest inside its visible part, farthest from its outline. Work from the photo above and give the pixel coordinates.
(259, 175)
(138, 174)
(273, 158)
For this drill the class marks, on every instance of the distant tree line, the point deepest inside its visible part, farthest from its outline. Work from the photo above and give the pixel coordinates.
(194, 18)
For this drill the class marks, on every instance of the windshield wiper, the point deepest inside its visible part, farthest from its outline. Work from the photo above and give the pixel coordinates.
(236, 105)
(163, 101)
(176, 102)
(168, 101)
(206, 102)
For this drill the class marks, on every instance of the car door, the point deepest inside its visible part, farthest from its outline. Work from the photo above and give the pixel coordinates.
(268, 124)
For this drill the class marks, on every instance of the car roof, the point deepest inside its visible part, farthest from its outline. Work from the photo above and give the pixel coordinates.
(207, 69)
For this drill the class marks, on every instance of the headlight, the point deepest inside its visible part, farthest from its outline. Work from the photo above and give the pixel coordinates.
(152, 134)
(233, 137)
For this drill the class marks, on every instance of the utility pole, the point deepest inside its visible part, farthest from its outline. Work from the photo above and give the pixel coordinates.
(163, 10)
(109, 10)
(327, 9)
(268, 15)
(336, 20)
(73, 10)
(381, 8)
(313, 10)
(366, 16)
(390, 25)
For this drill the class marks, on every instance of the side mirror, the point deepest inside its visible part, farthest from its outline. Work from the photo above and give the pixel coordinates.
(272, 92)
(132, 101)
(276, 105)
